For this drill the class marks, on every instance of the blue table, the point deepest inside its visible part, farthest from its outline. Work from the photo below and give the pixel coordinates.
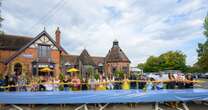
(108, 96)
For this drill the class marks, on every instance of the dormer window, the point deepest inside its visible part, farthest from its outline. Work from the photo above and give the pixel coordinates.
(43, 50)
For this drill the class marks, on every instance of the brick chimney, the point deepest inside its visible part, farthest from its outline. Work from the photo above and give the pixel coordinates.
(58, 36)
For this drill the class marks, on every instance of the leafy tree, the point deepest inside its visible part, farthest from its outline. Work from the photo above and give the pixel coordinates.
(119, 73)
(203, 50)
(172, 60)
(152, 64)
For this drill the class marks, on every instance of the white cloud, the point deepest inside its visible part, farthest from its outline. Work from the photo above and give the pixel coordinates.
(143, 27)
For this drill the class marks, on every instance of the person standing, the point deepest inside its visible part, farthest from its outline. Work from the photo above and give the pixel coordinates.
(125, 85)
(133, 83)
(101, 83)
(142, 82)
(75, 83)
(117, 83)
(66, 83)
(110, 81)
(84, 84)
(1, 82)
(92, 83)
(189, 82)
(160, 81)
(171, 82)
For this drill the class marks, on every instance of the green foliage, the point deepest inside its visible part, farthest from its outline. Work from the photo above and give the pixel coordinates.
(203, 50)
(206, 26)
(90, 70)
(61, 76)
(119, 73)
(172, 60)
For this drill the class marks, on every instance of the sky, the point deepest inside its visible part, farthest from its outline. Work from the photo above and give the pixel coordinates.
(142, 27)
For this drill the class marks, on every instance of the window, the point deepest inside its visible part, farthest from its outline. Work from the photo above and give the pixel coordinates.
(125, 69)
(18, 69)
(43, 50)
(113, 70)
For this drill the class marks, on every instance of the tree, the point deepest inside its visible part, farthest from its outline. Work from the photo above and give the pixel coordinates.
(202, 50)
(152, 64)
(172, 60)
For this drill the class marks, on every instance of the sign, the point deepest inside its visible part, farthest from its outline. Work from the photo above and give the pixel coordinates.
(26, 55)
(42, 65)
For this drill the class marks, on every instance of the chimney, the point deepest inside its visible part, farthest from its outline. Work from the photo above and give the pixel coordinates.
(58, 36)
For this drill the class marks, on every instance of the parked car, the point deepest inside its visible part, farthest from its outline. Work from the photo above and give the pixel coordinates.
(206, 75)
(202, 75)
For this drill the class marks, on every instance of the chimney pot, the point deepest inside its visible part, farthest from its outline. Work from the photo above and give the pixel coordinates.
(58, 36)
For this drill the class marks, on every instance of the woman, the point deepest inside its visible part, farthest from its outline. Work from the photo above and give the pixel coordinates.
(12, 83)
(133, 83)
(56, 82)
(1, 82)
(117, 83)
(125, 85)
(41, 84)
(66, 85)
(150, 84)
(189, 82)
(110, 81)
(171, 82)
(75, 83)
(142, 82)
(84, 84)
(92, 83)
(101, 84)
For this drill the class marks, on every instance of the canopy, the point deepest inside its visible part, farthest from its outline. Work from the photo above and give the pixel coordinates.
(71, 70)
(46, 69)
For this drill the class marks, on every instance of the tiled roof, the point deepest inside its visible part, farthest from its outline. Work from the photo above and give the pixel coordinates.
(98, 60)
(116, 54)
(72, 59)
(13, 42)
(85, 58)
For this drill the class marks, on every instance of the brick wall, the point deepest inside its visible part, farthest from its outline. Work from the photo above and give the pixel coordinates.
(26, 62)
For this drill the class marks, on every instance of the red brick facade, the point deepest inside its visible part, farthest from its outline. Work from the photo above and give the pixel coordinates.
(25, 56)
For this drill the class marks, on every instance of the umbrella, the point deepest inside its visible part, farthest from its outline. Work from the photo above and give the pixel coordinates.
(46, 69)
(71, 70)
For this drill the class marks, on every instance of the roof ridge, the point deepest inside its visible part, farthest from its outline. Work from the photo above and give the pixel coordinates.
(12, 35)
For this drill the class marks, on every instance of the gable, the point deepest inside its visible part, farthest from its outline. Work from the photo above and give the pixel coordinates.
(42, 37)
(44, 40)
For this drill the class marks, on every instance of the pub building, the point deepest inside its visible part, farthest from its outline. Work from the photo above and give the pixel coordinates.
(28, 55)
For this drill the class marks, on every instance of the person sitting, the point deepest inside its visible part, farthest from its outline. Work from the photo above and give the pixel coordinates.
(75, 83)
(125, 85)
(189, 81)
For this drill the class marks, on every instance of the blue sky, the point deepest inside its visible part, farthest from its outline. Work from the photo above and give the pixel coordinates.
(142, 27)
